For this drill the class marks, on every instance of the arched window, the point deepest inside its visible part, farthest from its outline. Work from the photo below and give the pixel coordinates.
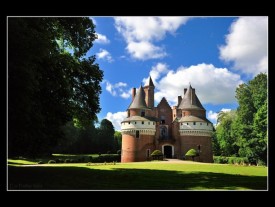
(137, 134)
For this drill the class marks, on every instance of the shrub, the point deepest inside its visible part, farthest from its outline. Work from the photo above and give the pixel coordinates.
(231, 160)
(157, 155)
(90, 158)
(59, 161)
(51, 162)
(191, 153)
(106, 158)
(40, 162)
(260, 163)
(67, 161)
(119, 152)
(156, 152)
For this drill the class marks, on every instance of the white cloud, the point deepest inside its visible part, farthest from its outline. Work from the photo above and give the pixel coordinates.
(213, 85)
(140, 32)
(246, 45)
(126, 94)
(116, 118)
(102, 39)
(156, 72)
(212, 116)
(118, 89)
(104, 55)
(145, 50)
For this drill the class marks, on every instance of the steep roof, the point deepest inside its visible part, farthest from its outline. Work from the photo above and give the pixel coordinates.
(139, 100)
(151, 82)
(190, 100)
(163, 102)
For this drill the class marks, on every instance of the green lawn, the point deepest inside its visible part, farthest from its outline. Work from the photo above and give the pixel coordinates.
(136, 176)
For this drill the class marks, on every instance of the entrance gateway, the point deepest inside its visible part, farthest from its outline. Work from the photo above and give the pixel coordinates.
(168, 151)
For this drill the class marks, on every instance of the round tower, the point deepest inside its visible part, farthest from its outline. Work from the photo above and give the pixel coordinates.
(138, 130)
(194, 128)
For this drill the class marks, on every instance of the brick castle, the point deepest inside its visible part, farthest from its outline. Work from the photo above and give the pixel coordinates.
(171, 130)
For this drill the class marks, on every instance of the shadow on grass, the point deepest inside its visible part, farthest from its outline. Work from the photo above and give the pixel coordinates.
(81, 178)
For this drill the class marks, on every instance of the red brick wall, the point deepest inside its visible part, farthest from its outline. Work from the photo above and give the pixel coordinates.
(188, 142)
(134, 149)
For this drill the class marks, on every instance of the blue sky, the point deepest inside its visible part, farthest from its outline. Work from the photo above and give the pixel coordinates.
(214, 54)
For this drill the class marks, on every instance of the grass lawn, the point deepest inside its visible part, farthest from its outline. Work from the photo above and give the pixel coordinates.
(135, 176)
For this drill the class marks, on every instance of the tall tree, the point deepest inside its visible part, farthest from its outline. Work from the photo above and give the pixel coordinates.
(118, 140)
(251, 124)
(106, 136)
(227, 142)
(47, 84)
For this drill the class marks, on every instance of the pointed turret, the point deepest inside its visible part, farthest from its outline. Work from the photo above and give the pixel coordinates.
(151, 82)
(190, 100)
(139, 100)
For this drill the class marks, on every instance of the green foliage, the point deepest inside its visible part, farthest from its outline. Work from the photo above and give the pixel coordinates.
(157, 155)
(48, 86)
(192, 153)
(118, 140)
(51, 162)
(106, 158)
(79, 140)
(231, 160)
(226, 140)
(67, 160)
(244, 132)
(156, 152)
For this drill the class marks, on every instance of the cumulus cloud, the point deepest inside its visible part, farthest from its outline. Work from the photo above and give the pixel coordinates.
(213, 85)
(118, 89)
(116, 118)
(155, 73)
(212, 116)
(102, 39)
(145, 50)
(246, 45)
(104, 55)
(140, 33)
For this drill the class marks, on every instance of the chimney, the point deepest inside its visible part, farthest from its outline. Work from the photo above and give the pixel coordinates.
(133, 93)
(185, 91)
(179, 100)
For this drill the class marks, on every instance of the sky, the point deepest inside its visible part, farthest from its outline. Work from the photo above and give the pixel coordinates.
(213, 54)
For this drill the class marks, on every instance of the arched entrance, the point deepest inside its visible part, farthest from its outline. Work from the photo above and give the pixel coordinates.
(168, 151)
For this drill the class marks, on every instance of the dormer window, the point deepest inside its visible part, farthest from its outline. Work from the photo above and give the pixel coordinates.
(142, 113)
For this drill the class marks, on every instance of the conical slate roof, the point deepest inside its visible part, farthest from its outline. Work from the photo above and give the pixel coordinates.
(190, 100)
(151, 82)
(139, 100)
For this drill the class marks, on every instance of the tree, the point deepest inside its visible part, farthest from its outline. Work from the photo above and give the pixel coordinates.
(118, 140)
(49, 83)
(251, 123)
(106, 133)
(192, 153)
(226, 140)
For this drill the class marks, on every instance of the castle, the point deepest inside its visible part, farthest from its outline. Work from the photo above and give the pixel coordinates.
(173, 131)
